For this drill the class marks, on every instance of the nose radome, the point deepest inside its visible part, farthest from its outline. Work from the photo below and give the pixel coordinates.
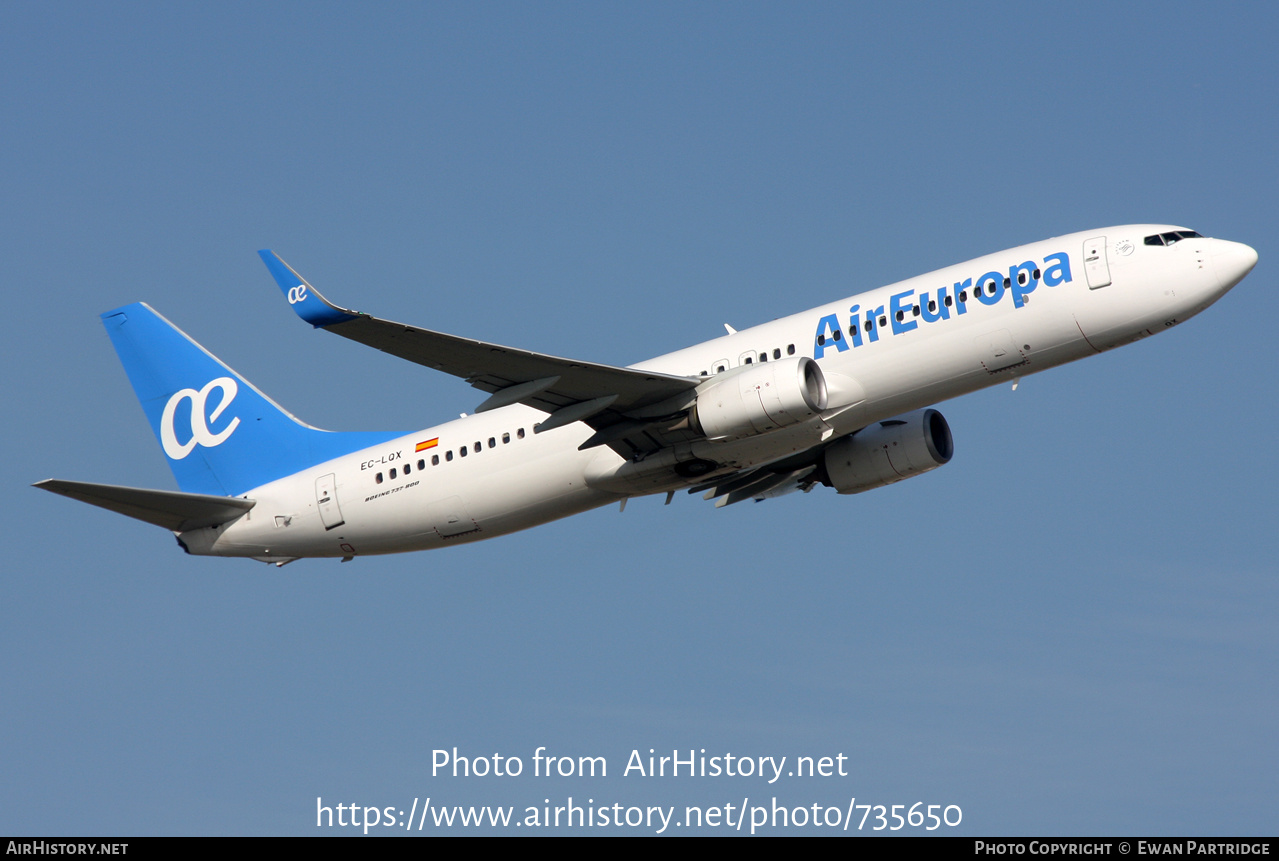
(1232, 260)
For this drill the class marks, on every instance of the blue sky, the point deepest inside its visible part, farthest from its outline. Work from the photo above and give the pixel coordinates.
(1068, 630)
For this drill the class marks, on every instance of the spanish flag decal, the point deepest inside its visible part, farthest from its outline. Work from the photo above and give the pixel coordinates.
(430, 443)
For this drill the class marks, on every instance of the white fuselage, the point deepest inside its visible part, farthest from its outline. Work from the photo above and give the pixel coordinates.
(930, 338)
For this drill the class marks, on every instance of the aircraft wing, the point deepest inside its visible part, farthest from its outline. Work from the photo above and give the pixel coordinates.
(760, 483)
(621, 403)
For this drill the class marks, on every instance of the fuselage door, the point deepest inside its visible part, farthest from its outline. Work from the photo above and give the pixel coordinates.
(1095, 262)
(326, 499)
(449, 517)
(998, 352)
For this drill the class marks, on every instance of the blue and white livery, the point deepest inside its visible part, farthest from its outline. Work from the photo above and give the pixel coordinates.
(837, 396)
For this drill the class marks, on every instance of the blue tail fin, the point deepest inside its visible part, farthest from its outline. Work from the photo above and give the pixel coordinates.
(220, 434)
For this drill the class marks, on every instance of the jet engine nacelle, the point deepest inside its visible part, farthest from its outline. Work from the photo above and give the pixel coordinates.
(759, 398)
(888, 451)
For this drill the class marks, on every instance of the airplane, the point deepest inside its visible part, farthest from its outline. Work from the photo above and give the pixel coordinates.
(840, 395)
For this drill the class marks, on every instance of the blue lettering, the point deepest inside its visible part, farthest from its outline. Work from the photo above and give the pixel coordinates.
(854, 325)
(1015, 285)
(927, 305)
(1058, 274)
(873, 327)
(896, 310)
(829, 323)
(990, 288)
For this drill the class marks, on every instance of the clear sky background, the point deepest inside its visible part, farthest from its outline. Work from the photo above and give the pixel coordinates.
(1070, 629)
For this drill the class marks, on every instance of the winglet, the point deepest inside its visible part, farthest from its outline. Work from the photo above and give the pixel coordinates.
(305, 299)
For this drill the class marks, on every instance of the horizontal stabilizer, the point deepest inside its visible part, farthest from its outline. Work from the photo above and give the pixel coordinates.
(168, 508)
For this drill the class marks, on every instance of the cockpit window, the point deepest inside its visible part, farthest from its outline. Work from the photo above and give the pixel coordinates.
(1172, 237)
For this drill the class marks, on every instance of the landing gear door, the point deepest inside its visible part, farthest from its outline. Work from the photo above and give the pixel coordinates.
(326, 499)
(1095, 262)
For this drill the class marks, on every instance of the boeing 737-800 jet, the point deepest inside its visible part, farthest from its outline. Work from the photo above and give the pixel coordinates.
(839, 396)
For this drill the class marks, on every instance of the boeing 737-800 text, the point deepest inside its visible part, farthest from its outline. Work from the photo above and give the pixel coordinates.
(839, 396)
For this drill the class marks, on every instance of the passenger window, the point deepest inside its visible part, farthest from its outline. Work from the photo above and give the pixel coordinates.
(435, 460)
(462, 451)
(763, 357)
(407, 469)
(520, 433)
(790, 349)
(392, 475)
(379, 478)
(478, 446)
(421, 464)
(492, 443)
(506, 437)
(448, 455)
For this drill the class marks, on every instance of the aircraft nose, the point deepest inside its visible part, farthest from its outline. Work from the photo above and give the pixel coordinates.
(1232, 260)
